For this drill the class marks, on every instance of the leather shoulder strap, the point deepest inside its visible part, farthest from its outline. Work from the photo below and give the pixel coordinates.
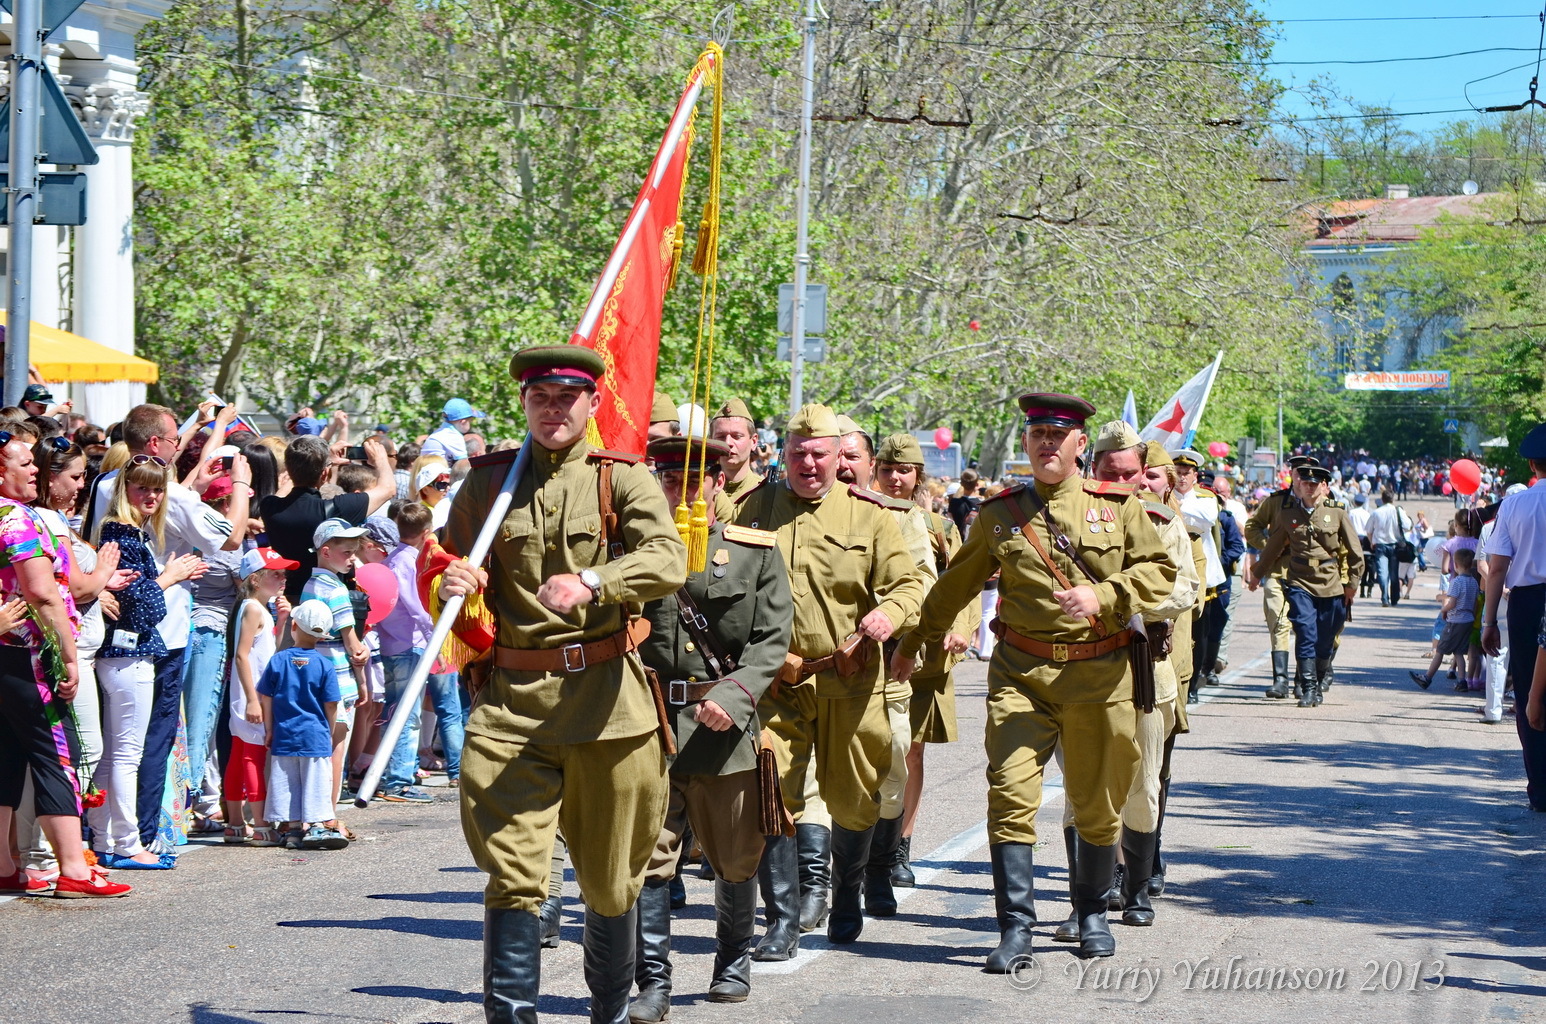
(1027, 531)
(720, 663)
(611, 534)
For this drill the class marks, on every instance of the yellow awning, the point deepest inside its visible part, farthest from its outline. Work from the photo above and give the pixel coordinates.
(62, 357)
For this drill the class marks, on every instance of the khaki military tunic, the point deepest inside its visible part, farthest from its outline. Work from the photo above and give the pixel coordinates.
(578, 746)
(914, 524)
(733, 490)
(743, 593)
(1317, 548)
(1274, 603)
(933, 706)
(1033, 702)
(846, 557)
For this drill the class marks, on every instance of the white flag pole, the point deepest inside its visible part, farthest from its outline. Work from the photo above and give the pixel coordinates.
(414, 690)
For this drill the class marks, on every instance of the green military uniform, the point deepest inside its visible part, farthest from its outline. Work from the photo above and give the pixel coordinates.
(1321, 551)
(846, 558)
(1274, 601)
(573, 741)
(741, 603)
(1042, 686)
(932, 712)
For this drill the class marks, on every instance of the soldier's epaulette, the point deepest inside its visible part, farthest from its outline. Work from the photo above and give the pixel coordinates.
(1005, 493)
(753, 489)
(1334, 503)
(498, 458)
(877, 498)
(1162, 513)
(611, 456)
(754, 538)
(1110, 489)
(1288, 499)
(1208, 490)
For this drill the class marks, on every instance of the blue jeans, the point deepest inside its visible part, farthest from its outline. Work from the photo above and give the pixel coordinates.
(160, 736)
(447, 703)
(1388, 572)
(203, 695)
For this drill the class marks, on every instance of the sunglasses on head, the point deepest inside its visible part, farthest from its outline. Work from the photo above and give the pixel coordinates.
(140, 460)
(58, 443)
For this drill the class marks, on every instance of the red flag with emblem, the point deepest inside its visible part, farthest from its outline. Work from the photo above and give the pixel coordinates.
(622, 319)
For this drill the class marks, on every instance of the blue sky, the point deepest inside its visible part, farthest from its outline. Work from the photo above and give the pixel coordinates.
(1411, 86)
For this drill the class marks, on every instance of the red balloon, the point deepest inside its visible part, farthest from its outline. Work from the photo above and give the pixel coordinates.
(942, 438)
(380, 585)
(1466, 476)
(975, 325)
(1218, 449)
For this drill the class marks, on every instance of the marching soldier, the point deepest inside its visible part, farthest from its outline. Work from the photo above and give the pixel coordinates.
(1274, 603)
(1121, 457)
(932, 708)
(715, 646)
(1078, 559)
(565, 730)
(733, 427)
(856, 467)
(1317, 542)
(854, 586)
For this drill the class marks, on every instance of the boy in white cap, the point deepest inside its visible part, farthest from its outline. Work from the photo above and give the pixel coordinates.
(336, 543)
(299, 691)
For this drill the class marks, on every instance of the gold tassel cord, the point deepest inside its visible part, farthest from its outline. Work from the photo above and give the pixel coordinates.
(706, 263)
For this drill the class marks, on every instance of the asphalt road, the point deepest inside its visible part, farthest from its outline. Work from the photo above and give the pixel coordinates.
(1373, 859)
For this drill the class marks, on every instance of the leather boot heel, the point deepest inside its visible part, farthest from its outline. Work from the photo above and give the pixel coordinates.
(1014, 897)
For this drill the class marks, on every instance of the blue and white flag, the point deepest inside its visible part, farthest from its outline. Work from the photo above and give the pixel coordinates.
(1130, 410)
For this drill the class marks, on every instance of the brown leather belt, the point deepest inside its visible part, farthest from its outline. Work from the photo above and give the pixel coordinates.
(573, 657)
(687, 691)
(1063, 652)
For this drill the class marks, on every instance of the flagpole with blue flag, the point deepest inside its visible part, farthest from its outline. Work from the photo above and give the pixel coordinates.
(1130, 410)
(1197, 418)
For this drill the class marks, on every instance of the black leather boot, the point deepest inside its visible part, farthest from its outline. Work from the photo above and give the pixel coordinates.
(1279, 688)
(1138, 857)
(1157, 872)
(1068, 931)
(512, 965)
(779, 876)
(610, 948)
(735, 927)
(850, 856)
(1095, 866)
(879, 899)
(814, 843)
(902, 876)
(652, 971)
(1322, 679)
(1309, 695)
(1114, 894)
(552, 916)
(1014, 897)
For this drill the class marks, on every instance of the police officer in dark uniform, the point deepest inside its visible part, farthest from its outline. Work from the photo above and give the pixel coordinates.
(714, 646)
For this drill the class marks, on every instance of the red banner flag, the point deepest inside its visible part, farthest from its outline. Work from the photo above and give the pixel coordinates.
(622, 319)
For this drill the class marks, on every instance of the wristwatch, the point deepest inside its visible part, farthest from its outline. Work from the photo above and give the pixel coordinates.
(592, 579)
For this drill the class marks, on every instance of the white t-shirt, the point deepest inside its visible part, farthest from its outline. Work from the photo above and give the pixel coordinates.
(262, 650)
(447, 442)
(1519, 532)
(1359, 517)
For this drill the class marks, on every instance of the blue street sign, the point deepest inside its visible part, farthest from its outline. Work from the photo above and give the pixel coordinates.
(1451, 426)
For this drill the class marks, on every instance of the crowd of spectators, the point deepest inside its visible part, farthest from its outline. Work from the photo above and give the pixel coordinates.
(193, 643)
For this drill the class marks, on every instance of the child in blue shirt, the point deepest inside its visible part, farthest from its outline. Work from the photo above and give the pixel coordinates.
(299, 691)
(336, 543)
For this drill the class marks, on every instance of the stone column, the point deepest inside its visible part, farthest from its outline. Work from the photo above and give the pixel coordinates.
(105, 93)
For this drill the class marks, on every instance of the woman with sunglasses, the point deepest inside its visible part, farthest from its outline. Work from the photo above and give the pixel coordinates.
(61, 466)
(135, 521)
(431, 481)
(37, 675)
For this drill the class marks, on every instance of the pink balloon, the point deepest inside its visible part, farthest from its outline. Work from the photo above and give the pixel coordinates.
(1218, 449)
(1466, 476)
(1447, 489)
(380, 585)
(942, 438)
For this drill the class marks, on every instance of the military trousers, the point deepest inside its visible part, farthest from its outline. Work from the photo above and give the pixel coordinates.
(850, 740)
(899, 716)
(1274, 602)
(1100, 761)
(1316, 621)
(609, 796)
(722, 810)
